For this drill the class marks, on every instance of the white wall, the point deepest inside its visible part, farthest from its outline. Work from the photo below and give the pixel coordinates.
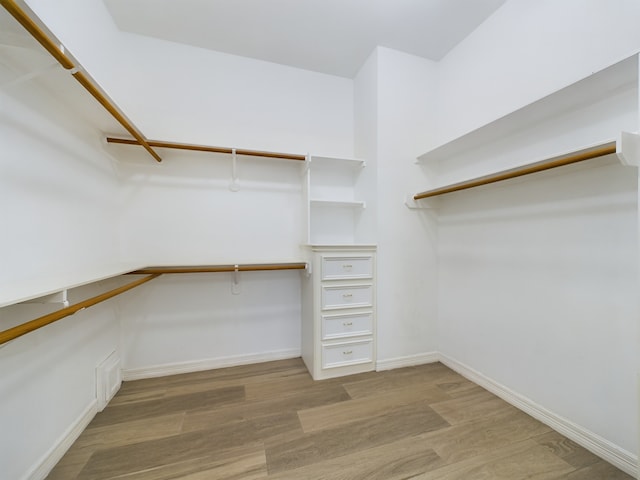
(543, 300)
(195, 321)
(406, 238)
(58, 202)
(186, 94)
(538, 277)
(527, 50)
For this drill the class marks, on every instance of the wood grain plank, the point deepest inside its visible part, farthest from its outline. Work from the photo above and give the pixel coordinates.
(569, 451)
(404, 421)
(519, 461)
(470, 407)
(343, 413)
(241, 463)
(432, 373)
(316, 395)
(134, 431)
(163, 406)
(470, 439)
(198, 444)
(392, 461)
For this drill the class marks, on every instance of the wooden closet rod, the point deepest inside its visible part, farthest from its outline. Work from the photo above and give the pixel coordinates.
(221, 268)
(56, 51)
(206, 148)
(18, 331)
(580, 156)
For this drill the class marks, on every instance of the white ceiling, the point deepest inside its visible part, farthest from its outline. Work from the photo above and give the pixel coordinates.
(329, 36)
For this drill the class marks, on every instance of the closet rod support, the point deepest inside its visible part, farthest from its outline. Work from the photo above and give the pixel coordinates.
(23, 329)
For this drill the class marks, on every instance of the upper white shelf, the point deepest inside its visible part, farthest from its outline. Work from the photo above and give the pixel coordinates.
(335, 162)
(27, 68)
(23, 291)
(597, 86)
(337, 203)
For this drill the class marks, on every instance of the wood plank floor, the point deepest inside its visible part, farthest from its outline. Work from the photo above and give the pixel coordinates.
(272, 421)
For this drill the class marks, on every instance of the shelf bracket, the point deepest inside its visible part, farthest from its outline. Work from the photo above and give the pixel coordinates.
(628, 149)
(59, 298)
(235, 285)
(233, 186)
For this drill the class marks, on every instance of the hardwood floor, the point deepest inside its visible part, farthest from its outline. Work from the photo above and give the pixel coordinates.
(272, 421)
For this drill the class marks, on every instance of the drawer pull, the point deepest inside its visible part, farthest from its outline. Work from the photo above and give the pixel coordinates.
(347, 324)
(347, 295)
(347, 266)
(347, 352)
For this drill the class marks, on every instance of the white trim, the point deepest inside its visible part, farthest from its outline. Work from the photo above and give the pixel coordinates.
(206, 364)
(593, 442)
(60, 447)
(408, 361)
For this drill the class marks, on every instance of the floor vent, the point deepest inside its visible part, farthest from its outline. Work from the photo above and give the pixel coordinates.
(108, 379)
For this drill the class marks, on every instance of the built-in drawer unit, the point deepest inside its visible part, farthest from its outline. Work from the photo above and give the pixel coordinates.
(347, 325)
(343, 354)
(339, 268)
(347, 296)
(339, 311)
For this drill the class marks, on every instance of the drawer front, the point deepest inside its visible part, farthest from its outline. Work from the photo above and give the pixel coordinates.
(350, 296)
(351, 325)
(343, 354)
(336, 268)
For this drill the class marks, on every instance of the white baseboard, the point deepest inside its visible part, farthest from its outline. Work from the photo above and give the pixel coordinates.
(206, 364)
(408, 361)
(606, 450)
(53, 456)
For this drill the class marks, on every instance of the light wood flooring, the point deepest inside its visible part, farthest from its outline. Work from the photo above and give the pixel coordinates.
(272, 421)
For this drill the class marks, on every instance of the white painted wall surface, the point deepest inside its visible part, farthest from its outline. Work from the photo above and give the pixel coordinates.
(58, 203)
(48, 383)
(527, 50)
(406, 238)
(537, 291)
(538, 278)
(194, 321)
(186, 94)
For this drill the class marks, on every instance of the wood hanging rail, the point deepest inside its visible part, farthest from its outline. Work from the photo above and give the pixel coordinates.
(580, 156)
(206, 148)
(18, 331)
(54, 49)
(221, 268)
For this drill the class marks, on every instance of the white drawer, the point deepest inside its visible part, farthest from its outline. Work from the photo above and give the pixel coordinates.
(350, 325)
(342, 354)
(349, 296)
(336, 268)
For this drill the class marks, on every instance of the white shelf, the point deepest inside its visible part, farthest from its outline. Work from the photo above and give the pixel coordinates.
(335, 162)
(337, 191)
(27, 70)
(337, 203)
(605, 83)
(22, 292)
